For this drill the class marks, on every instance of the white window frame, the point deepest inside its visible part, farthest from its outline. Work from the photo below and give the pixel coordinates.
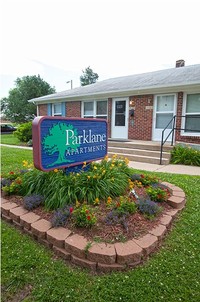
(94, 115)
(53, 109)
(183, 133)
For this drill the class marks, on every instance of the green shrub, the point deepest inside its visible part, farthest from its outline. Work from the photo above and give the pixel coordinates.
(144, 180)
(157, 194)
(24, 132)
(125, 206)
(15, 187)
(185, 155)
(83, 216)
(104, 179)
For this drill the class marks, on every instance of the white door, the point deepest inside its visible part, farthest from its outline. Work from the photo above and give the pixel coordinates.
(164, 110)
(120, 118)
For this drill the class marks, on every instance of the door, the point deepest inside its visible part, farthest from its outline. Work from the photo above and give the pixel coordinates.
(120, 118)
(164, 110)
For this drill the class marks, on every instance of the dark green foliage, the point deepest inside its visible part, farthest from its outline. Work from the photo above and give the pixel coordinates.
(88, 77)
(185, 155)
(16, 106)
(24, 132)
(108, 178)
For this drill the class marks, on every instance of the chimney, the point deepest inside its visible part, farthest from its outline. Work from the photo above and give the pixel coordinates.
(180, 63)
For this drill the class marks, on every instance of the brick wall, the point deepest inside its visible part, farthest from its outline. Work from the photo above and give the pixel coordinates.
(178, 137)
(141, 128)
(73, 109)
(42, 110)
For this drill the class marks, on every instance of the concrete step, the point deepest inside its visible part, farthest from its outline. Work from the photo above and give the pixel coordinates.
(145, 145)
(140, 158)
(140, 151)
(148, 153)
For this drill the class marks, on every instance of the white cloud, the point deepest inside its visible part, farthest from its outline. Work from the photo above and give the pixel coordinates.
(114, 37)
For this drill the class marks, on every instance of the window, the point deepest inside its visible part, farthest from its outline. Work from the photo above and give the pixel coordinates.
(164, 111)
(56, 109)
(192, 115)
(95, 109)
(88, 109)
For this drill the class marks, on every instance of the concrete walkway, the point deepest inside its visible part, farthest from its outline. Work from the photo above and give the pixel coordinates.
(175, 169)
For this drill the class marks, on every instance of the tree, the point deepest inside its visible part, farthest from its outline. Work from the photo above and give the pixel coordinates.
(16, 107)
(88, 77)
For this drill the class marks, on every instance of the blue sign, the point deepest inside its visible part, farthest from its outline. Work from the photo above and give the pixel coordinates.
(65, 142)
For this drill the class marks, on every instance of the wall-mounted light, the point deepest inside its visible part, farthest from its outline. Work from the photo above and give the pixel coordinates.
(132, 102)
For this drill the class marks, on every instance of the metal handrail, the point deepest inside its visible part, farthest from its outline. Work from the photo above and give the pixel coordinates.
(173, 131)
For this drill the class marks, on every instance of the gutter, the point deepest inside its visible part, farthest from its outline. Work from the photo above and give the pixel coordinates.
(193, 87)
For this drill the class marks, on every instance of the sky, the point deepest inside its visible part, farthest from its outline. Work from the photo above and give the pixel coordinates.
(58, 39)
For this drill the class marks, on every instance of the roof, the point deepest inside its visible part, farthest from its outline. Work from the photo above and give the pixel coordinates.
(173, 79)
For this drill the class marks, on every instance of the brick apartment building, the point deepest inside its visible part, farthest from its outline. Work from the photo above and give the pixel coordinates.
(137, 107)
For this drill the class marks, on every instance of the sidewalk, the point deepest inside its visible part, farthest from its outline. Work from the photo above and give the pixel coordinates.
(175, 169)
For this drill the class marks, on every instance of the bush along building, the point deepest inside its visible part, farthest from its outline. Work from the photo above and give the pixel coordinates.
(139, 107)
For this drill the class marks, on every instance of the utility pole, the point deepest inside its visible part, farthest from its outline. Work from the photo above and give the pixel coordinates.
(70, 82)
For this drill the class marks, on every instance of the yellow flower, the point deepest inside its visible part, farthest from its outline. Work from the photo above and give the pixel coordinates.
(88, 176)
(55, 170)
(106, 158)
(109, 200)
(77, 174)
(126, 160)
(96, 201)
(114, 156)
(112, 165)
(95, 168)
(25, 163)
(94, 176)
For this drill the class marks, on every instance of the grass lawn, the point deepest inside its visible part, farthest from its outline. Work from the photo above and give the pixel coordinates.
(10, 139)
(172, 274)
(11, 158)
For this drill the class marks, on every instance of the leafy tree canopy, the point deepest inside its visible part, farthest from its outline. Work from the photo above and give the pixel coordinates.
(88, 77)
(16, 107)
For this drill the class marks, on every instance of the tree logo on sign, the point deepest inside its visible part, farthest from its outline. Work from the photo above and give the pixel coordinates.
(57, 133)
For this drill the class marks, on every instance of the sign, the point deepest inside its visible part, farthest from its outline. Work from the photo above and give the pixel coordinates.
(60, 142)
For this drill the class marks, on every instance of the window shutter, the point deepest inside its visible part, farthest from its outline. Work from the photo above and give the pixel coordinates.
(63, 106)
(49, 109)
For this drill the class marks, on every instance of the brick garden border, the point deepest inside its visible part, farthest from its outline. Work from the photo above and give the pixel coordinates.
(99, 257)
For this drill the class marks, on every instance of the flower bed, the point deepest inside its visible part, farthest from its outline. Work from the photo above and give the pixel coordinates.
(127, 208)
(106, 219)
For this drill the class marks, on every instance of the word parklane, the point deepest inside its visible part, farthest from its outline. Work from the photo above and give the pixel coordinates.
(86, 138)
